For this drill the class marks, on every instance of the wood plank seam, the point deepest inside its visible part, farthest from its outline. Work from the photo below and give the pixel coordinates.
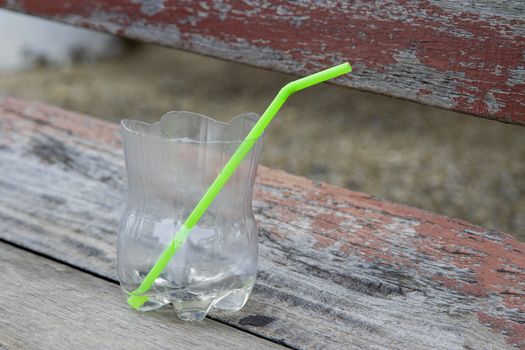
(63, 308)
(115, 282)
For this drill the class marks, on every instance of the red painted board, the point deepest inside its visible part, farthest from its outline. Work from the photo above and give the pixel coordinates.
(337, 269)
(459, 55)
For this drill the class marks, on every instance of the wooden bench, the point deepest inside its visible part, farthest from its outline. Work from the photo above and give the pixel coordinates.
(338, 269)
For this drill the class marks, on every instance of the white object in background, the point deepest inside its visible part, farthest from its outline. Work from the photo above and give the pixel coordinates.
(26, 39)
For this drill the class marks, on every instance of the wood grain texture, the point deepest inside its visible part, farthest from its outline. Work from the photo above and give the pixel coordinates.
(460, 55)
(47, 305)
(338, 269)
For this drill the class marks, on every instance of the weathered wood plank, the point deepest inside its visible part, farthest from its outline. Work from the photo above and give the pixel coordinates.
(338, 269)
(460, 55)
(47, 305)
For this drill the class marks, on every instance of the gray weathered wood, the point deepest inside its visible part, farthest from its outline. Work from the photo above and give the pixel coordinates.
(47, 305)
(338, 269)
(467, 56)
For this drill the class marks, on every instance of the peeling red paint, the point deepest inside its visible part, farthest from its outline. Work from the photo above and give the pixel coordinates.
(488, 265)
(513, 330)
(323, 242)
(477, 52)
(326, 222)
(424, 92)
(471, 288)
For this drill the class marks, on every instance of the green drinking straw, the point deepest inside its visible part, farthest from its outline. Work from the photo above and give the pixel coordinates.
(136, 299)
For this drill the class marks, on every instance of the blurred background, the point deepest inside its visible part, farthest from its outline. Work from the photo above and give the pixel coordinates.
(445, 162)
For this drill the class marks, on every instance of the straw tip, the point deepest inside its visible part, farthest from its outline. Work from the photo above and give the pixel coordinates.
(347, 66)
(136, 301)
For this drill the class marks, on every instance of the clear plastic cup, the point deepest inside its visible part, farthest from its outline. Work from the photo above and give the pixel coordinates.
(170, 165)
